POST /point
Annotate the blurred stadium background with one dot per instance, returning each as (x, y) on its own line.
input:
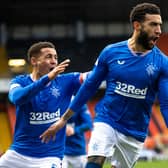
(79, 29)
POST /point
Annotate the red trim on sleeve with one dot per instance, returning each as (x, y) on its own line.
(81, 78)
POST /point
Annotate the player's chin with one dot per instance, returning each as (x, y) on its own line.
(151, 46)
(152, 43)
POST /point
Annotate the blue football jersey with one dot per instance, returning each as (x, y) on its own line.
(132, 83)
(81, 122)
(38, 105)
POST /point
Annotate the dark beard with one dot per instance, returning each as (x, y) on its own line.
(143, 40)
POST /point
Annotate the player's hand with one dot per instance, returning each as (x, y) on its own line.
(58, 69)
(50, 133)
(69, 130)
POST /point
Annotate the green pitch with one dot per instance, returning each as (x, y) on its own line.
(153, 164)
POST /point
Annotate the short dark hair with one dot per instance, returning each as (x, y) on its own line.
(35, 49)
(139, 11)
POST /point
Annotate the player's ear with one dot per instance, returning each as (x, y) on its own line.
(33, 61)
(136, 25)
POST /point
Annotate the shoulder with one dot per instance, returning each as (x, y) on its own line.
(159, 54)
(161, 60)
(111, 50)
(116, 45)
(21, 78)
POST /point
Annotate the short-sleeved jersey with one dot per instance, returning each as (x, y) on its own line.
(133, 80)
(38, 105)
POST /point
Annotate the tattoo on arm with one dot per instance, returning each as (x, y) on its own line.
(67, 115)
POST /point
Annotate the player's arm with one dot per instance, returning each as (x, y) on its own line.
(50, 133)
(163, 91)
(87, 89)
(92, 82)
(163, 98)
(20, 95)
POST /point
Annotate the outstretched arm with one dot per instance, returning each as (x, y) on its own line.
(89, 87)
(20, 95)
(54, 128)
(86, 89)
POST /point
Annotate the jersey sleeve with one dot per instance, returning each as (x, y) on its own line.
(92, 82)
(163, 91)
(20, 94)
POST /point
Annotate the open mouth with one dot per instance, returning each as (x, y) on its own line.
(51, 68)
(154, 40)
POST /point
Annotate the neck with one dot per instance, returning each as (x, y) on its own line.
(134, 45)
(35, 76)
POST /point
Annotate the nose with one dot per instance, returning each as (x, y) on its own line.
(158, 30)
